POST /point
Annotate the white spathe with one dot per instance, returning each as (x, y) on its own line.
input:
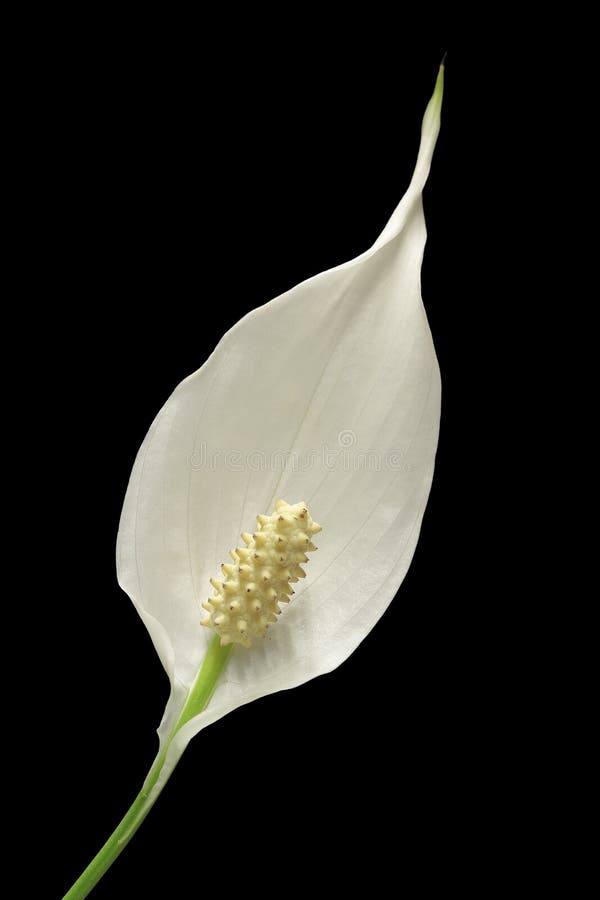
(339, 373)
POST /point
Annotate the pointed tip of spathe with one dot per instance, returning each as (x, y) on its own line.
(439, 84)
(435, 103)
(443, 62)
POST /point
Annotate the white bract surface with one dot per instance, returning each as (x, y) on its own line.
(329, 393)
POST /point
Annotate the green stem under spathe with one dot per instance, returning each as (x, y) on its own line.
(198, 698)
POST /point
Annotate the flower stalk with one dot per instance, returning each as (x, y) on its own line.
(214, 662)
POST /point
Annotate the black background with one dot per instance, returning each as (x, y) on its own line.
(175, 200)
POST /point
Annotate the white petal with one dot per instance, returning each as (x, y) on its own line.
(343, 363)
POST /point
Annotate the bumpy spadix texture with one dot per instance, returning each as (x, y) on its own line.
(354, 433)
(262, 574)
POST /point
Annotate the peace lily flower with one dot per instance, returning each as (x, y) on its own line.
(329, 395)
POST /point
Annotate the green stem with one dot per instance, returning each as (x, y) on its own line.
(202, 690)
